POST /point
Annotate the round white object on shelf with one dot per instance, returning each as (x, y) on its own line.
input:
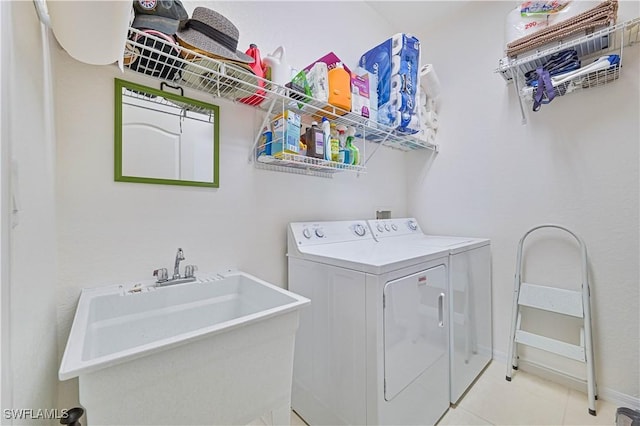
(93, 32)
(429, 81)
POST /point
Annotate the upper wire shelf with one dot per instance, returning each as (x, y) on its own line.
(591, 47)
(162, 58)
(597, 43)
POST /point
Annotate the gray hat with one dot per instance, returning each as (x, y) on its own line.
(160, 15)
(211, 32)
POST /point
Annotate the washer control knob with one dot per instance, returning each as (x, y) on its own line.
(359, 230)
(387, 227)
(380, 228)
(412, 225)
(319, 233)
(306, 233)
(394, 227)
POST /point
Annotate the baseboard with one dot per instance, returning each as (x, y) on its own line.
(617, 398)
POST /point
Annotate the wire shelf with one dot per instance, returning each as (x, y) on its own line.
(607, 41)
(592, 79)
(163, 58)
(301, 164)
(601, 42)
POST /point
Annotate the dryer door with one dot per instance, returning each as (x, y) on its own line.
(415, 329)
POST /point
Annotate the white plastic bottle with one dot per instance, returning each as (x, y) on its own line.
(326, 131)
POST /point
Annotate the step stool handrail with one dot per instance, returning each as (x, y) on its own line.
(583, 252)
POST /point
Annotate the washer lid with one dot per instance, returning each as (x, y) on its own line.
(351, 245)
(369, 256)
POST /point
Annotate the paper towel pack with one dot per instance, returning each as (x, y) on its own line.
(395, 63)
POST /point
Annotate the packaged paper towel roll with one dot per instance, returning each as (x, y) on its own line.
(519, 25)
(94, 31)
(431, 104)
(427, 135)
(430, 118)
(430, 136)
(429, 81)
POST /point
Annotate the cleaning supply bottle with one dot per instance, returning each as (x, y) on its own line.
(344, 155)
(340, 87)
(355, 152)
(335, 143)
(326, 133)
(303, 148)
(264, 146)
(315, 141)
(259, 69)
(278, 69)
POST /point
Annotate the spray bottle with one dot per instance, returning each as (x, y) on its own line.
(344, 155)
(355, 152)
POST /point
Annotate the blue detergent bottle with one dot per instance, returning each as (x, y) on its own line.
(264, 146)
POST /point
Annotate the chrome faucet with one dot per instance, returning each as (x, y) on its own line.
(163, 276)
(176, 266)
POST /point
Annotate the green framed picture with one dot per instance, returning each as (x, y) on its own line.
(165, 138)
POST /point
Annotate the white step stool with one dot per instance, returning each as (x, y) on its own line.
(566, 302)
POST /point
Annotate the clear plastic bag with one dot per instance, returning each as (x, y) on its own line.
(530, 17)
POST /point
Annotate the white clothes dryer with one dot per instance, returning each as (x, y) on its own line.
(372, 348)
(469, 295)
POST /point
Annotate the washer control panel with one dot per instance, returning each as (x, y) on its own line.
(311, 233)
(384, 228)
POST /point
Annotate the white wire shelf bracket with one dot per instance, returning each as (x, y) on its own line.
(176, 64)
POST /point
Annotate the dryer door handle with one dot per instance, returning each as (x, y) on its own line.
(441, 310)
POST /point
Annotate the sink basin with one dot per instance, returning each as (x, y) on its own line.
(202, 343)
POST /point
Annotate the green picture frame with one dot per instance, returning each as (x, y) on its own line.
(121, 85)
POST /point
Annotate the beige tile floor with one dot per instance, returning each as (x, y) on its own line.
(526, 400)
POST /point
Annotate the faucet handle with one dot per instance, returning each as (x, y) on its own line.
(162, 274)
(189, 270)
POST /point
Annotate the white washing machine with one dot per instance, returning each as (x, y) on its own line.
(469, 295)
(372, 348)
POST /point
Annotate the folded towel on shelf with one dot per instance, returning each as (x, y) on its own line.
(602, 15)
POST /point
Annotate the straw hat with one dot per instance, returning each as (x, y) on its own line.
(211, 32)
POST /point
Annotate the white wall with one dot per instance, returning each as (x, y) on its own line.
(112, 231)
(574, 163)
(33, 244)
(5, 287)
